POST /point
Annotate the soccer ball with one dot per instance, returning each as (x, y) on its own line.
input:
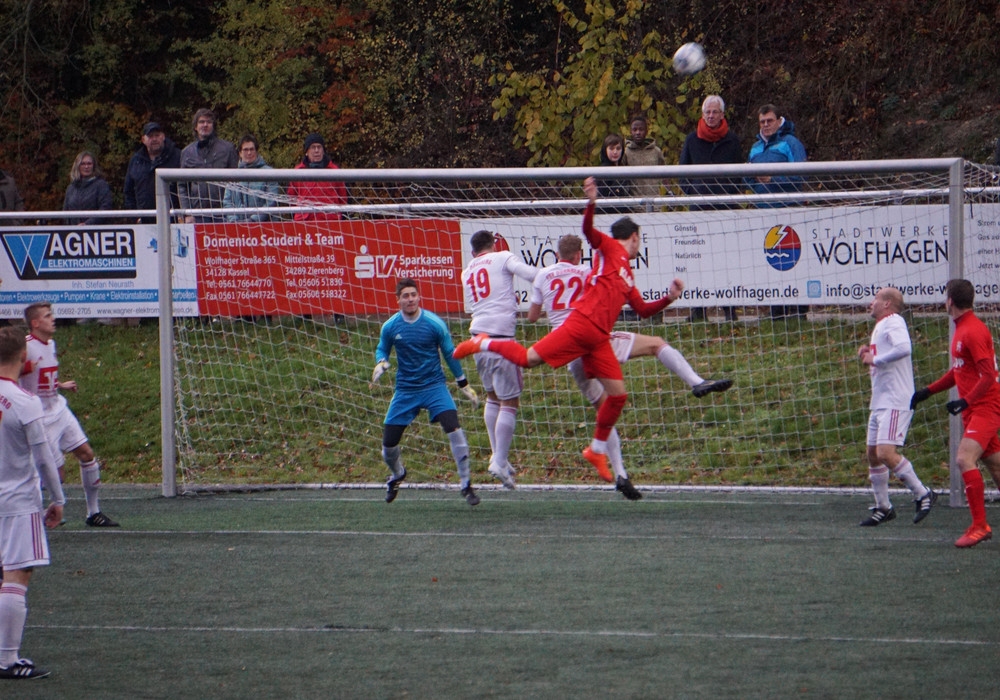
(689, 59)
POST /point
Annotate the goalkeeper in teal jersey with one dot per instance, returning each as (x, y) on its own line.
(421, 339)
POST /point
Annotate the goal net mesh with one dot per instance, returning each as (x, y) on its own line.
(272, 374)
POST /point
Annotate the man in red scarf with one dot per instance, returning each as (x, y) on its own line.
(712, 143)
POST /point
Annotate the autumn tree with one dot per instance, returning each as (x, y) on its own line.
(618, 67)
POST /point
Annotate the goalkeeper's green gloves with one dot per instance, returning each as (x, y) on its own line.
(918, 396)
(380, 368)
(470, 393)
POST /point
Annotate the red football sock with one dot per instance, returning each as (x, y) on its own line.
(607, 415)
(975, 494)
(510, 350)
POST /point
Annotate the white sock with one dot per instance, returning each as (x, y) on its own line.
(506, 422)
(675, 362)
(390, 455)
(879, 477)
(490, 413)
(90, 477)
(904, 470)
(599, 446)
(615, 454)
(460, 452)
(13, 613)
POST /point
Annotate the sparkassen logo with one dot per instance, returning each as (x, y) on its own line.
(782, 248)
(62, 254)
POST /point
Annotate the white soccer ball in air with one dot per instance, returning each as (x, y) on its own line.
(689, 59)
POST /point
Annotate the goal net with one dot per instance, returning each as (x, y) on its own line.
(271, 377)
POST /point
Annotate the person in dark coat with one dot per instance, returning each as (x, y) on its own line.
(157, 151)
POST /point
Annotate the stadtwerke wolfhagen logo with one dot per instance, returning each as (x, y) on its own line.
(782, 247)
(60, 254)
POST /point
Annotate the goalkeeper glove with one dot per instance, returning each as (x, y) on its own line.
(956, 407)
(470, 393)
(918, 396)
(380, 368)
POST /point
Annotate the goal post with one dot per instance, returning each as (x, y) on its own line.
(269, 364)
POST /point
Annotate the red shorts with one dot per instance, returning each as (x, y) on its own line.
(578, 337)
(982, 426)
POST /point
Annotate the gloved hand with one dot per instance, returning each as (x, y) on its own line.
(468, 391)
(957, 406)
(918, 396)
(377, 373)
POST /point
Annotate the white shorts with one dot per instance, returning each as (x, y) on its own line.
(23, 543)
(621, 344)
(64, 434)
(888, 426)
(499, 375)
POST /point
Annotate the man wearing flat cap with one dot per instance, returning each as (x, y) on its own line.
(317, 194)
(157, 151)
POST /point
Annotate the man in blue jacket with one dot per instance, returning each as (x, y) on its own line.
(776, 143)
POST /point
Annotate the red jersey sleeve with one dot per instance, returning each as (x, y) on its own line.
(644, 308)
(594, 237)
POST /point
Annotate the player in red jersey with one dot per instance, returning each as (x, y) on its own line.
(586, 333)
(974, 373)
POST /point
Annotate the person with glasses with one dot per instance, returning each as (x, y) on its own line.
(251, 194)
(777, 143)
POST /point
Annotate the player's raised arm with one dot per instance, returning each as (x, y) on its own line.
(594, 237)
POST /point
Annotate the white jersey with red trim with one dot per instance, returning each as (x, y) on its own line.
(21, 426)
(488, 282)
(556, 287)
(42, 377)
(892, 371)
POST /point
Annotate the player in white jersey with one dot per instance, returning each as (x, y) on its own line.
(24, 455)
(891, 368)
(40, 376)
(488, 281)
(553, 292)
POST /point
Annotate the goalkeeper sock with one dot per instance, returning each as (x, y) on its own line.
(607, 416)
(13, 613)
(615, 454)
(490, 413)
(390, 455)
(460, 451)
(509, 350)
(675, 362)
(90, 477)
(904, 470)
(975, 494)
(506, 422)
(879, 477)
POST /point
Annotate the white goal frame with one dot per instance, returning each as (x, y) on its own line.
(953, 194)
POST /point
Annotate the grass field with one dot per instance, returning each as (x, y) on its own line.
(796, 415)
(540, 594)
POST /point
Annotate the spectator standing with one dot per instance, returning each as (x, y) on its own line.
(612, 155)
(711, 143)
(255, 194)
(317, 193)
(206, 151)
(641, 149)
(156, 151)
(10, 198)
(88, 190)
(776, 143)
